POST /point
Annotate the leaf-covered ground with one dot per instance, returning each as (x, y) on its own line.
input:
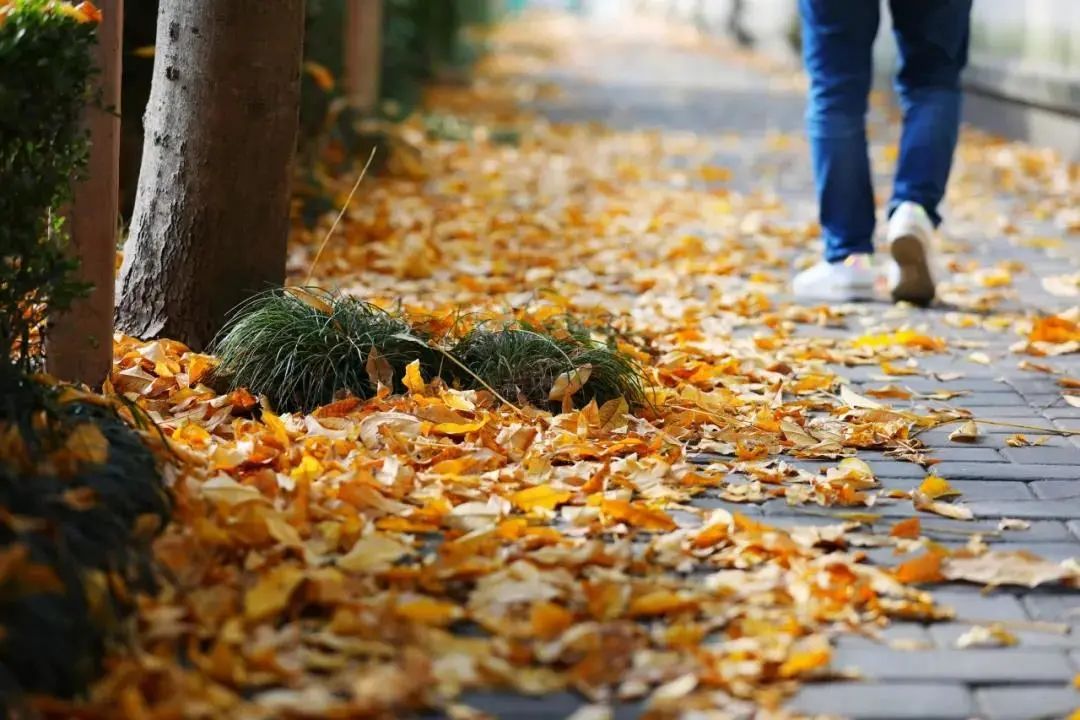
(372, 559)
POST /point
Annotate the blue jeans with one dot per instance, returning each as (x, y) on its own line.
(838, 37)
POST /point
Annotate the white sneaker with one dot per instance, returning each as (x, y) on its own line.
(911, 236)
(844, 281)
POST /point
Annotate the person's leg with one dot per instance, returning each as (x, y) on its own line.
(838, 38)
(932, 36)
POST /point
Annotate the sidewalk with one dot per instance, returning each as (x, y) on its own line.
(1007, 217)
(767, 532)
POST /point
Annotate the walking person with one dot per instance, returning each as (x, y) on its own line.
(838, 38)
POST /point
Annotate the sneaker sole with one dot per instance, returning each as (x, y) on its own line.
(915, 284)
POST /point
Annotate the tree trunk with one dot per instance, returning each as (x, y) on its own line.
(211, 212)
(363, 52)
(79, 342)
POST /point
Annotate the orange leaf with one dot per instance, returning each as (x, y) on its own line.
(909, 528)
(660, 602)
(922, 569)
(429, 611)
(638, 516)
(1054, 329)
(549, 620)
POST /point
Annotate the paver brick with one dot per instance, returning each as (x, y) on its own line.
(946, 634)
(887, 701)
(1054, 607)
(972, 489)
(974, 666)
(1026, 703)
(972, 605)
(1005, 471)
(1043, 455)
(1056, 489)
(1044, 509)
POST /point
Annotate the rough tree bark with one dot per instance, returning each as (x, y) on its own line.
(79, 343)
(211, 212)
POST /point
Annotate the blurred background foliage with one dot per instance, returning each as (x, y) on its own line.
(422, 40)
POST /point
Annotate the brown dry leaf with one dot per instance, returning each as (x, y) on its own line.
(966, 433)
(999, 567)
(1013, 524)
(892, 392)
(569, 383)
(852, 399)
(379, 370)
(987, 636)
(376, 551)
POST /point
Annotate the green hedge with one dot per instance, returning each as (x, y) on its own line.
(45, 70)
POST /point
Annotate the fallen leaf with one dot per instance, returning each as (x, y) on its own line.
(987, 636)
(909, 528)
(935, 488)
(413, 381)
(1002, 567)
(925, 568)
(966, 433)
(569, 383)
(272, 592)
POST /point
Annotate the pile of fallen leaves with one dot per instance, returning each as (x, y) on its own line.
(375, 556)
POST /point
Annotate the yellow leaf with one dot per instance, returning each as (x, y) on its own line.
(413, 380)
(540, 496)
(459, 428)
(373, 552)
(660, 602)
(429, 611)
(906, 338)
(146, 51)
(308, 469)
(935, 488)
(801, 663)
(270, 594)
(87, 444)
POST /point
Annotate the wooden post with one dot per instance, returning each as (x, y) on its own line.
(363, 52)
(79, 342)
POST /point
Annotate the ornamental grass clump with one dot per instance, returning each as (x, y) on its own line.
(526, 363)
(302, 348)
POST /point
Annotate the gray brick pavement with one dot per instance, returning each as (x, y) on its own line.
(626, 89)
